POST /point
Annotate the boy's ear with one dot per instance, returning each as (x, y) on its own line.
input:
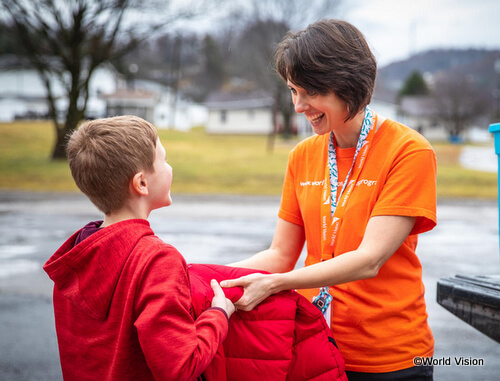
(139, 184)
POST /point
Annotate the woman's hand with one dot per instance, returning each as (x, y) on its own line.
(257, 287)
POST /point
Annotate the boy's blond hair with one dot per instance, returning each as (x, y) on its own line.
(105, 154)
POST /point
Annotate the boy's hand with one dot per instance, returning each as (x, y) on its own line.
(220, 299)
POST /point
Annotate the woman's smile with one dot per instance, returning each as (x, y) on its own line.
(315, 119)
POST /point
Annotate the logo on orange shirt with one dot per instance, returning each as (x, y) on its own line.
(312, 183)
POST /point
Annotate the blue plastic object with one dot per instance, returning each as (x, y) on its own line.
(455, 139)
(495, 130)
(475, 299)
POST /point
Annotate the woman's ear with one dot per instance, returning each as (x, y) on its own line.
(139, 184)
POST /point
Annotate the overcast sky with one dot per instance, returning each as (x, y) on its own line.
(394, 28)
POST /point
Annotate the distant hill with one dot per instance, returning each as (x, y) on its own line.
(479, 64)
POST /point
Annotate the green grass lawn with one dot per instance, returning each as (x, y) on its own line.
(204, 164)
(453, 181)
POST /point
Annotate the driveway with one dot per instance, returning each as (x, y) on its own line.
(219, 230)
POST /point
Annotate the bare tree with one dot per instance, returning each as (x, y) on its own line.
(70, 39)
(267, 22)
(296, 14)
(458, 102)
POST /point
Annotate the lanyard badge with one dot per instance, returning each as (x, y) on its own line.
(323, 301)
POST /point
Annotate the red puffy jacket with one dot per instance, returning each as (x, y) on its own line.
(283, 338)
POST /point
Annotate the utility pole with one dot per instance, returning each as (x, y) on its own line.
(412, 38)
(496, 91)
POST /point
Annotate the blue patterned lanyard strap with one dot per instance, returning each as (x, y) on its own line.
(332, 158)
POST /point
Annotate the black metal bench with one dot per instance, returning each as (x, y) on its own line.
(474, 299)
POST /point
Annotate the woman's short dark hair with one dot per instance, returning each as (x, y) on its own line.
(329, 55)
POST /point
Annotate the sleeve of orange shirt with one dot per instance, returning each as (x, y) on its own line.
(410, 190)
(290, 210)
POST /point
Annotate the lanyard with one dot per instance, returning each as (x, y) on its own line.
(331, 211)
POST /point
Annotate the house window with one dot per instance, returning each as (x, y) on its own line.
(223, 116)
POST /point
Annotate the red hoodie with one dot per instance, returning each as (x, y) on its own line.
(122, 307)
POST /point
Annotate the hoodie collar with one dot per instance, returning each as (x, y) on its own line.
(87, 273)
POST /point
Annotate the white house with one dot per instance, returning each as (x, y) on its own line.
(252, 114)
(239, 113)
(140, 103)
(387, 109)
(418, 112)
(156, 103)
(23, 96)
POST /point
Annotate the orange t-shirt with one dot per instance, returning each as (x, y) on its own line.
(380, 324)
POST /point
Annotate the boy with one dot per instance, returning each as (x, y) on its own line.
(122, 302)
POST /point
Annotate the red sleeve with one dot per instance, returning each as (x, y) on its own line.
(175, 346)
(410, 190)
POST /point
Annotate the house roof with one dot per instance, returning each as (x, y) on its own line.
(130, 94)
(24, 98)
(235, 100)
(125, 97)
(14, 62)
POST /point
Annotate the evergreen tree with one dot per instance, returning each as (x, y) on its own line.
(414, 85)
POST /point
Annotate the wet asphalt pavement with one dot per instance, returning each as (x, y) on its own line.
(217, 229)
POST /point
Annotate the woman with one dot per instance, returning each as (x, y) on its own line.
(358, 192)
